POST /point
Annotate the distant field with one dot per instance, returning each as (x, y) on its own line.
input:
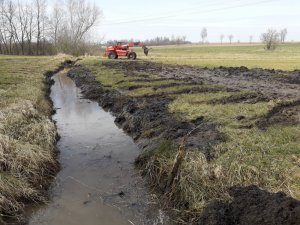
(285, 57)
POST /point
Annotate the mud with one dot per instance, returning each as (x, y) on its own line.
(148, 121)
(133, 87)
(243, 98)
(251, 205)
(271, 83)
(286, 113)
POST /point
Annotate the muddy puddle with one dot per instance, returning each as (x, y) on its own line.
(97, 184)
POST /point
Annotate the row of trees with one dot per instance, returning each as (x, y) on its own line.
(230, 38)
(174, 40)
(31, 29)
(280, 36)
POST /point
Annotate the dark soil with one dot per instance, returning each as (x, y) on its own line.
(243, 98)
(133, 87)
(148, 121)
(286, 113)
(251, 205)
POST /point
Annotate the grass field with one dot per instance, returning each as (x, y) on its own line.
(285, 57)
(27, 135)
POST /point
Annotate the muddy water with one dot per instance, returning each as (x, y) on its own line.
(97, 184)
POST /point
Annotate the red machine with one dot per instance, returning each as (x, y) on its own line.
(121, 49)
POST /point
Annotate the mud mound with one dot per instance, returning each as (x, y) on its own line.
(171, 84)
(251, 205)
(286, 113)
(293, 77)
(243, 98)
(191, 90)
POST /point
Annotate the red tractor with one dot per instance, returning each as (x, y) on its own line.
(121, 49)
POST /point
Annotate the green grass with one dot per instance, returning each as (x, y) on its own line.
(197, 105)
(267, 158)
(107, 77)
(27, 136)
(19, 78)
(285, 57)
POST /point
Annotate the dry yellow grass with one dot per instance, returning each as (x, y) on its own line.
(27, 135)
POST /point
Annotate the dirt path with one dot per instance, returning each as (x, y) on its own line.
(272, 83)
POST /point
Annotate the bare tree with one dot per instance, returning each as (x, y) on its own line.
(283, 34)
(203, 34)
(40, 7)
(230, 37)
(56, 22)
(26, 28)
(8, 11)
(3, 40)
(221, 38)
(82, 16)
(30, 27)
(250, 39)
(23, 21)
(270, 39)
(38, 19)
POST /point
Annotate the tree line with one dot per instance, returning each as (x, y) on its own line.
(271, 38)
(30, 28)
(173, 40)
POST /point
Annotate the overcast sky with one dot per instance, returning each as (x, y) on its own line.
(142, 20)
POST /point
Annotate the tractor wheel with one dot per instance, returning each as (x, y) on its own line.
(112, 55)
(132, 55)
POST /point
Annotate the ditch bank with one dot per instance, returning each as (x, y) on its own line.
(29, 153)
(160, 135)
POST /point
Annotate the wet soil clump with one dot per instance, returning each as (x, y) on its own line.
(251, 205)
(243, 98)
(286, 113)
